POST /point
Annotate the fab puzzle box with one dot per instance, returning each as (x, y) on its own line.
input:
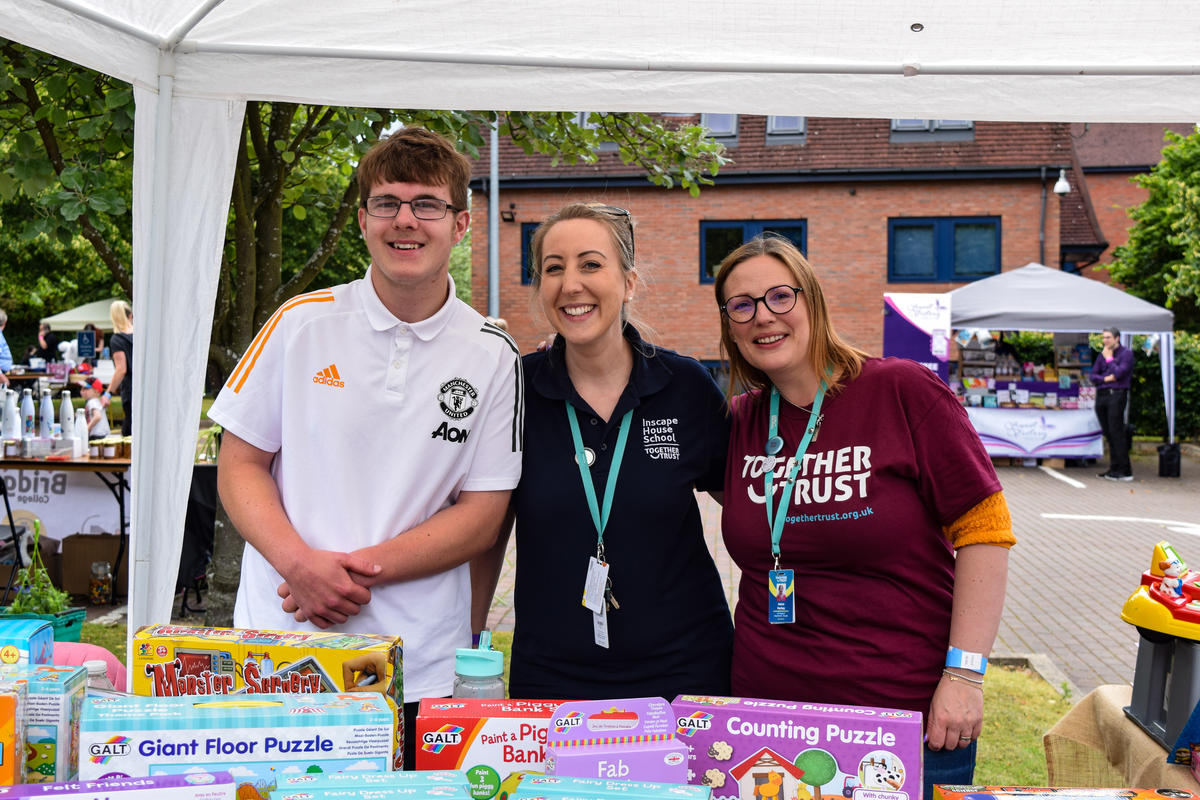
(746, 749)
(174, 660)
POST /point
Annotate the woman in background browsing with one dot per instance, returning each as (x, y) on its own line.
(649, 428)
(865, 516)
(121, 345)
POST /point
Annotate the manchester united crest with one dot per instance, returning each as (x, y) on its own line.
(457, 398)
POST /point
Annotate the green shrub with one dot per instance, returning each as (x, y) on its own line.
(1147, 413)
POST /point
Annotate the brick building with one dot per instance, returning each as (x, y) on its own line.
(878, 206)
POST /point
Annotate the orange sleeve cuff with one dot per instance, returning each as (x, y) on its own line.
(987, 523)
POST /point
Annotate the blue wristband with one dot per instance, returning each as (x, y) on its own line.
(963, 659)
(474, 640)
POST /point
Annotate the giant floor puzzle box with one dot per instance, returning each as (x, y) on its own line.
(746, 749)
(173, 660)
(261, 740)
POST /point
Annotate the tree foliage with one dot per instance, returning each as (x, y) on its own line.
(1161, 260)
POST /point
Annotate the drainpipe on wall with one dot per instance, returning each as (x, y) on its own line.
(1042, 226)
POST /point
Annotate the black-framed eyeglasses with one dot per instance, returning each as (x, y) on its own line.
(385, 206)
(777, 299)
(617, 211)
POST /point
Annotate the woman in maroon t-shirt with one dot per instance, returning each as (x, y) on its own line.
(851, 484)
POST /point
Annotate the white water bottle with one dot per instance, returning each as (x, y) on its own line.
(46, 414)
(12, 416)
(81, 433)
(28, 415)
(66, 415)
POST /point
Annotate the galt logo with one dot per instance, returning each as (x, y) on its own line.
(434, 741)
(329, 377)
(571, 720)
(696, 721)
(103, 752)
(457, 398)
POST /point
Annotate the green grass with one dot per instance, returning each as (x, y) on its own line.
(1018, 708)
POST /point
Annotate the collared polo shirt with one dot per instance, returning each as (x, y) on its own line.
(673, 631)
(377, 425)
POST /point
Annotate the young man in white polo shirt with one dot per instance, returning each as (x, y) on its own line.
(373, 432)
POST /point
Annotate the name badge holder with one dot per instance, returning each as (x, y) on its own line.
(597, 588)
(781, 583)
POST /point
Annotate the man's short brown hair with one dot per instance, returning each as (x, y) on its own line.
(415, 155)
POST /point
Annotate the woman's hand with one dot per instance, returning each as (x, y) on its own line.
(956, 712)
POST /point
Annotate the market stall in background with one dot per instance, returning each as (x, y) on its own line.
(1022, 409)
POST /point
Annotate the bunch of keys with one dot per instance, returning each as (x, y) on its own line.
(608, 595)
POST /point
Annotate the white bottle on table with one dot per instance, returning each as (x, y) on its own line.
(81, 433)
(28, 415)
(46, 413)
(12, 416)
(66, 415)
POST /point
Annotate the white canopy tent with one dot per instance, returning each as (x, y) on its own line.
(73, 319)
(1037, 298)
(194, 63)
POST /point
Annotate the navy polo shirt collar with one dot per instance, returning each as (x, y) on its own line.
(650, 374)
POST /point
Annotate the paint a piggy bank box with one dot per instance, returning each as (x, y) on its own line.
(1039, 793)
(193, 786)
(26, 641)
(487, 739)
(173, 660)
(631, 739)
(260, 740)
(747, 749)
(52, 714)
(559, 787)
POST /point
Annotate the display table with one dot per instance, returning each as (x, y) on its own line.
(1038, 432)
(1095, 744)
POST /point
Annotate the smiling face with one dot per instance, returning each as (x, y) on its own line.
(777, 344)
(411, 256)
(583, 286)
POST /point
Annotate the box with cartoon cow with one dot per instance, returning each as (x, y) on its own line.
(748, 749)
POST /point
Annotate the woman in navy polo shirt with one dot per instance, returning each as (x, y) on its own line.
(624, 531)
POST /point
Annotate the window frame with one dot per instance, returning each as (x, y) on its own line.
(725, 136)
(750, 228)
(943, 244)
(778, 134)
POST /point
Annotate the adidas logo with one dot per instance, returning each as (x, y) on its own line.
(329, 376)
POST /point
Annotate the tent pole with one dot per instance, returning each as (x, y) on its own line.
(494, 222)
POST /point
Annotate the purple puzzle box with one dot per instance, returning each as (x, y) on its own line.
(748, 749)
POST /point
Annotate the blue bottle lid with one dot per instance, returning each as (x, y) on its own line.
(479, 662)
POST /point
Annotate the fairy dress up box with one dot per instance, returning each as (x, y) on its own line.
(747, 749)
(260, 740)
(174, 660)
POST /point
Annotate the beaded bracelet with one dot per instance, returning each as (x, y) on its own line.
(954, 677)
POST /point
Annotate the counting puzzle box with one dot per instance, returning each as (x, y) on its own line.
(261, 741)
(55, 697)
(746, 749)
(175, 660)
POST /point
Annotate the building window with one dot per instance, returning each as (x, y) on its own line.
(720, 126)
(527, 229)
(718, 238)
(946, 249)
(785, 130)
(584, 120)
(930, 130)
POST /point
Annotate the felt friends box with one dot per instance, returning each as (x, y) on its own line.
(26, 641)
(51, 719)
(630, 739)
(193, 786)
(746, 749)
(260, 740)
(488, 739)
(173, 660)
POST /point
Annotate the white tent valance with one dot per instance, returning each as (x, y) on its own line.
(74, 319)
(194, 64)
(1037, 298)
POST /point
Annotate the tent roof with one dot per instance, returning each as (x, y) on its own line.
(1074, 60)
(1037, 298)
(74, 319)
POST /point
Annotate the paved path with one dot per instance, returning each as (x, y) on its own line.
(1083, 543)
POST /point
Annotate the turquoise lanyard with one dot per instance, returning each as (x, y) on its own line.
(814, 419)
(600, 518)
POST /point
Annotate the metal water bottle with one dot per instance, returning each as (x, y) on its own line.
(66, 415)
(12, 416)
(46, 413)
(28, 414)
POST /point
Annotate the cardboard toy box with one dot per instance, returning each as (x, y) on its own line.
(423, 792)
(193, 786)
(738, 743)
(13, 696)
(26, 641)
(261, 740)
(51, 719)
(553, 787)
(1042, 793)
(173, 660)
(630, 739)
(487, 739)
(81, 550)
(301, 786)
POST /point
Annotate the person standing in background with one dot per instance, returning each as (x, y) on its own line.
(6, 361)
(47, 346)
(122, 353)
(1111, 374)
